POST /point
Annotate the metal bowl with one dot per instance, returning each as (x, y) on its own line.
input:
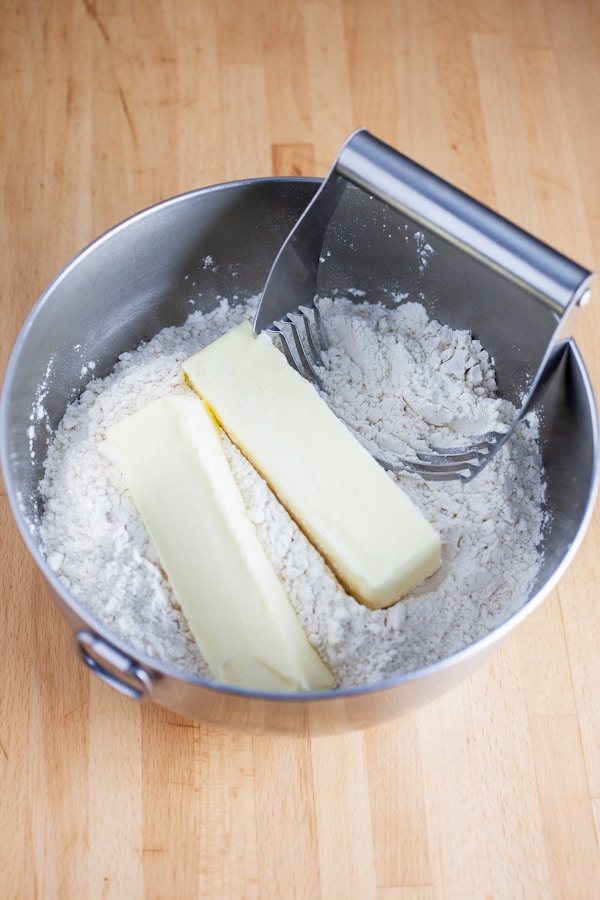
(143, 275)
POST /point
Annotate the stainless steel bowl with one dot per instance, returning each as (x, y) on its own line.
(145, 274)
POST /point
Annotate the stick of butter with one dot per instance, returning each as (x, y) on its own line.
(172, 459)
(374, 538)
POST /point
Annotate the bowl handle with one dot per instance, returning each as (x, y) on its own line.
(113, 667)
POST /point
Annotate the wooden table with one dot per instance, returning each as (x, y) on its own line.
(494, 790)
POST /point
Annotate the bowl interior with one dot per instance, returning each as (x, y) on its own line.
(191, 251)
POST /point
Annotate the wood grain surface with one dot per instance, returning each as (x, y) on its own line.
(108, 106)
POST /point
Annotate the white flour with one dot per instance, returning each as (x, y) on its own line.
(401, 381)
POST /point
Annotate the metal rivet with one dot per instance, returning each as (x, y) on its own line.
(585, 298)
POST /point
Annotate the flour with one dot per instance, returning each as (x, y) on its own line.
(401, 381)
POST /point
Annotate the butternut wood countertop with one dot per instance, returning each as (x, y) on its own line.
(494, 790)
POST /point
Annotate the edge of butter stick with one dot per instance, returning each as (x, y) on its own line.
(173, 463)
(372, 535)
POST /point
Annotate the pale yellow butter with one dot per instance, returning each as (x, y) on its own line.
(172, 459)
(371, 534)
